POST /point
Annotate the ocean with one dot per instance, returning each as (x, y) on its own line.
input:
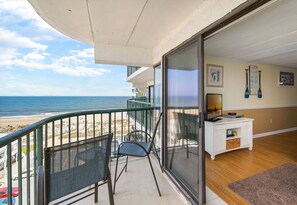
(21, 106)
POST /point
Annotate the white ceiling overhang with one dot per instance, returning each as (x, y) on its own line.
(122, 31)
(267, 37)
(144, 74)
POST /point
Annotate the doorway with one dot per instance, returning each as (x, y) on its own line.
(183, 99)
(263, 41)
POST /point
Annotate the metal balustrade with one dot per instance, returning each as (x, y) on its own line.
(29, 142)
(138, 116)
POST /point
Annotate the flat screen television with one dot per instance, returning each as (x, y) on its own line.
(214, 106)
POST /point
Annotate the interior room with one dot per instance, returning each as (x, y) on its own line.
(258, 54)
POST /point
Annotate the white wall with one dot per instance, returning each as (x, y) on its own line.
(234, 86)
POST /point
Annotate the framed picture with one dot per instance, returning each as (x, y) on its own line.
(254, 80)
(214, 75)
(286, 79)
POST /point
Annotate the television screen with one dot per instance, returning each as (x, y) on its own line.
(214, 105)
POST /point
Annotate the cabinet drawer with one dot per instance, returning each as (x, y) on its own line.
(231, 144)
(231, 125)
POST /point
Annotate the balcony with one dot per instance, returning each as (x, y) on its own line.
(23, 150)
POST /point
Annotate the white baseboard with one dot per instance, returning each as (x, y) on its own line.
(274, 132)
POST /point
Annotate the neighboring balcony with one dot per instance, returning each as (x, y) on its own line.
(141, 77)
(131, 70)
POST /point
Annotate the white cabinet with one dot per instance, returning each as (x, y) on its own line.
(219, 141)
(227, 135)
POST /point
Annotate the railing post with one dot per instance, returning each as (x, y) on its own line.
(109, 124)
(39, 146)
(9, 184)
(20, 158)
(109, 131)
(146, 124)
(35, 162)
(28, 168)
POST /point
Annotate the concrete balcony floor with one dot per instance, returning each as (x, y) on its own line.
(137, 186)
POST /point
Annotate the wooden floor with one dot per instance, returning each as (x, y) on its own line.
(268, 152)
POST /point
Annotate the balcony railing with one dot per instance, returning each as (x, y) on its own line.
(131, 70)
(138, 116)
(24, 148)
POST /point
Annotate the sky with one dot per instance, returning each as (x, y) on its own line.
(37, 60)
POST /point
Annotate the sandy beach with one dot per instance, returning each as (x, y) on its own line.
(12, 124)
(119, 126)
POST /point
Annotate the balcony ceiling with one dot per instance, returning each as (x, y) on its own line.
(118, 29)
(268, 37)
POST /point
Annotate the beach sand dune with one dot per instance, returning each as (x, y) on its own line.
(119, 125)
(12, 124)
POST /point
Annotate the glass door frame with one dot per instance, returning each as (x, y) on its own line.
(201, 148)
(239, 12)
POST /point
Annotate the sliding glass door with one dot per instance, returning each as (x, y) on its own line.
(183, 133)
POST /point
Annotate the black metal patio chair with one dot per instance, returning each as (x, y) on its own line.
(138, 149)
(188, 131)
(71, 169)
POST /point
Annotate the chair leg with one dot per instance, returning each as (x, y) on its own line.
(172, 157)
(96, 193)
(111, 200)
(154, 174)
(126, 164)
(187, 148)
(158, 157)
(115, 174)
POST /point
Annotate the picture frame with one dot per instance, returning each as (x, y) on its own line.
(253, 79)
(214, 75)
(286, 79)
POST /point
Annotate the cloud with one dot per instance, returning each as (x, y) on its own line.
(75, 64)
(86, 53)
(17, 50)
(7, 56)
(22, 48)
(12, 39)
(22, 10)
(35, 56)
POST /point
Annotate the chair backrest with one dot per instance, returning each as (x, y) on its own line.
(155, 130)
(74, 166)
(188, 126)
